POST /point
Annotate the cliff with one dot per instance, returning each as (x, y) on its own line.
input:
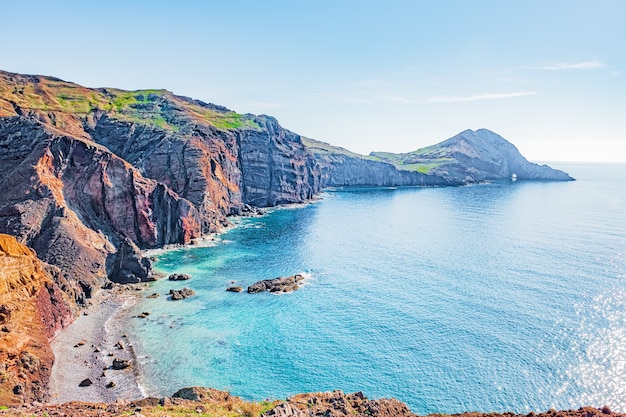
(473, 156)
(91, 176)
(340, 167)
(32, 310)
(469, 157)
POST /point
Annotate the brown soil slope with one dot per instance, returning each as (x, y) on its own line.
(32, 310)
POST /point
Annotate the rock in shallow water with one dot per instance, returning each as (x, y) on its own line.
(277, 285)
(181, 294)
(179, 277)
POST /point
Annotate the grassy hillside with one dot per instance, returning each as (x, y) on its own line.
(421, 160)
(68, 101)
(318, 147)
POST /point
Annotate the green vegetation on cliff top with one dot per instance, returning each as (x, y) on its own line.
(323, 148)
(154, 108)
(423, 160)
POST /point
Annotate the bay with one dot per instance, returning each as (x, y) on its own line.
(508, 296)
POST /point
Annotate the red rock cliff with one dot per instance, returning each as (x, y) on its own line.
(32, 310)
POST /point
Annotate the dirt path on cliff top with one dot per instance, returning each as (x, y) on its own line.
(85, 350)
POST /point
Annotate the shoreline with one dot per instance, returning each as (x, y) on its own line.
(213, 238)
(86, 349)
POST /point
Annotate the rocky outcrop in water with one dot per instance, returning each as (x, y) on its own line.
(179, 277)
(277, 285)
(32, 310)
(181, 294)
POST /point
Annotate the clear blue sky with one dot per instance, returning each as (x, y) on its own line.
(389, 75)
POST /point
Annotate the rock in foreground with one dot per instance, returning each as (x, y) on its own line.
(277, 285)
(338, 404)
(208, 401)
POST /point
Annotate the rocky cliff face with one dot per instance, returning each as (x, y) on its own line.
(342, 170)
(32, 310)
(468, 157)
(82, 208)
(276, 167)
(92, 176)
(340, 167)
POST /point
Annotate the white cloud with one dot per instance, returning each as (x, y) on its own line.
(584, 65)
(479, 97)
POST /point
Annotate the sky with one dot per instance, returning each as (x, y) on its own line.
(549, 75)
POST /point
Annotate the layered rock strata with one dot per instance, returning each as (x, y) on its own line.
(92, 176)
(342, 168)
(32, 310)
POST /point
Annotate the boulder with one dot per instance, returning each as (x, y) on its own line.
(85, 383)
(181, 294)
(234, 288)
(277, 285)
(179, 277)
(119, 364)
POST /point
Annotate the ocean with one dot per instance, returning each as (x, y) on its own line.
(507, 296)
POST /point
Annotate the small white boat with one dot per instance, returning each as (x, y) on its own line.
(514, 177)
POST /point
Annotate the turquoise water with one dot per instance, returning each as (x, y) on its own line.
(494, 297)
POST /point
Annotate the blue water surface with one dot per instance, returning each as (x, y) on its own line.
(494, 297)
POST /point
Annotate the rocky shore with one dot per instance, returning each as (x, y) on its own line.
(85, 352)
(210, 402)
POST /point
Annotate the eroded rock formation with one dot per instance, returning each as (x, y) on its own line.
(92, 176)
(32, 310)
(277, 285)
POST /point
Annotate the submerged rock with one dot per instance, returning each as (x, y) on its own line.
(277, 285)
